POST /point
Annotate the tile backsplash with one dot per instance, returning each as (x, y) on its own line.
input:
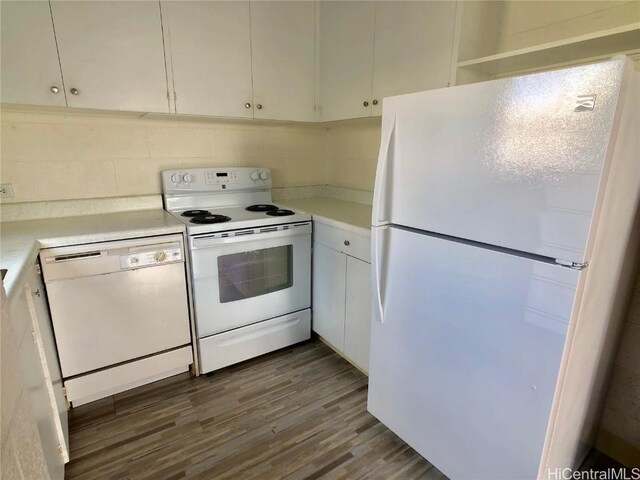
(57, 155)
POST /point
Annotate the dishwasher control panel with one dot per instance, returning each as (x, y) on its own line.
(150, 257)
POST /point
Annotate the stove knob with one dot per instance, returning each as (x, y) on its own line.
(255, 175)
(264, 175)
(175, 178)
(187, 177)
(160, 256)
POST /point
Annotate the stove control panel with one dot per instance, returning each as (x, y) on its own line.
(194, 180)
(212, 177)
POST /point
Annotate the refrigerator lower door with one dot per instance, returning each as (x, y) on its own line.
(465, 358)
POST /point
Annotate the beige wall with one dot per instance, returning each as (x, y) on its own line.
(490, 27)
(621, 417)
(58, 155)
(352, 153)
(528, 23)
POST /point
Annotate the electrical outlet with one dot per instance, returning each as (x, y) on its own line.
(6, 190)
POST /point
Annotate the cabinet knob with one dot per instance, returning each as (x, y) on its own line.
(375, 102)
(259, 107)
(37, 293)
(347, 243)
(74, 91)
(365, 104)
(54, 89)
(247, 105)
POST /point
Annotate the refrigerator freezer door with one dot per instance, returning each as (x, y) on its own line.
(513, 162)
(464, 366)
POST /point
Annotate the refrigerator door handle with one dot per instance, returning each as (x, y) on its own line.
(380, 197)
(377, 247)
(572, 265)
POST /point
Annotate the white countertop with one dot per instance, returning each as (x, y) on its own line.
(21, 241)
(351, 216)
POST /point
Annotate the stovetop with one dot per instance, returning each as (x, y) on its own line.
(216, 199)
(238, 218)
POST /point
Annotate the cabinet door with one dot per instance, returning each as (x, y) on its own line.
(35, 384)
(283, 43)
(30, 66)
(329, 274)
(209, 50)
(357, 326)
(413, 43)
(346, 59)
(112, 54)
(41, 323)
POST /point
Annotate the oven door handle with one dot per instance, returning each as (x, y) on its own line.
(213, 241)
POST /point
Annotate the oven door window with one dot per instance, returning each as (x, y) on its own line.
(254, 273)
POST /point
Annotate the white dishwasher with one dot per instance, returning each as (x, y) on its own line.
(120, 313)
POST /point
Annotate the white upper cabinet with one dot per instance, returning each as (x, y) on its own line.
(372, 50)
(240, 59)
(413, 44)
(283, 45)
(346, 59)
(209, 55)
(111, 54)
(30, 67)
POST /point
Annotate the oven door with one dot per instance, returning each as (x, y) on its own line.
(250, 276)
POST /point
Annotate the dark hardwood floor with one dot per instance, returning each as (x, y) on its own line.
(299, 413)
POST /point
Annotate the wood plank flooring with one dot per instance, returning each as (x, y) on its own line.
(299, 413)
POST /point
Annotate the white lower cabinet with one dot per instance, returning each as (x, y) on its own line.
(342, 292)
(329, 287)
(41, 322)
(357, 325)
(40, 372)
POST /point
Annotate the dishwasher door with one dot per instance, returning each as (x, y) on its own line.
(116, 301)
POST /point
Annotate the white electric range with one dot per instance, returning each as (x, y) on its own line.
(250, 262)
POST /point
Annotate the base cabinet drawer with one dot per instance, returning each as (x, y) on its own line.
(344, 241)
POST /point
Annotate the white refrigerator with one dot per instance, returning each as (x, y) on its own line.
(503, 239)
